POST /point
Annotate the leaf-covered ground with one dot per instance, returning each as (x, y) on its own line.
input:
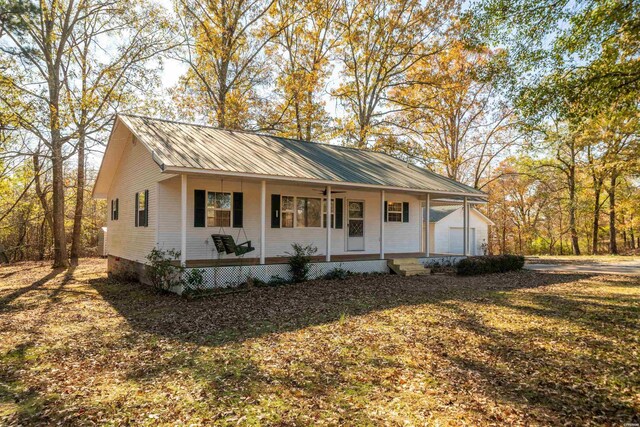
(520, 348)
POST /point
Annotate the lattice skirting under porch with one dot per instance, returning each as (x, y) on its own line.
(231, 276)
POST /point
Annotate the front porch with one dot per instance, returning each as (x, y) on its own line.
(366, 223)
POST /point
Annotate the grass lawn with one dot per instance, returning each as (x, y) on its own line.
(519, 348)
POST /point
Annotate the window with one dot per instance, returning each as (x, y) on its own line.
(288, 211)
(114, 209)
(142, 208)
(308, 212)
(324, 213)
(394, 212)
(219, 210)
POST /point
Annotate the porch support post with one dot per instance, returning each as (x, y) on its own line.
(183, 218)
(465, 230)
(328, 222)
(427, 248)
(381, 224)
(263, 221)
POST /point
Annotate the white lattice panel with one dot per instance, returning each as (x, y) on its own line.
(230, 276)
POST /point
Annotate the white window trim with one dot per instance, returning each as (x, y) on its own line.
(219, 209)
(333, 212)
(401, 211)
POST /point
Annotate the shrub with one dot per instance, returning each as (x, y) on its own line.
(337, 274)
(277, 281)
(299, 261)
(490, 264)
(194, 279)
(163, 271)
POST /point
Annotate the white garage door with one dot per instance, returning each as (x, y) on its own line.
(456, 240)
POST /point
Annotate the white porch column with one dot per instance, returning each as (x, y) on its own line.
(382, 224)
(328, 255)
(427, 247)
(263, 221)
(465, 230)
(183, 218)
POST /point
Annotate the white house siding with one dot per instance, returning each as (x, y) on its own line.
(399, 237)
(136, 172)
(441, 230)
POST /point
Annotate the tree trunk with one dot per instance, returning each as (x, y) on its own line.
(42, 196)
(77, 219)
(572, 211)
(596, 215)
(613, 245)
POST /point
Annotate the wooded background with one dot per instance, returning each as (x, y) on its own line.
(535, 102)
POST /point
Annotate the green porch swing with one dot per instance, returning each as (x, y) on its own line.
(225, 243)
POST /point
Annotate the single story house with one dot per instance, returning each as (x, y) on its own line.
(174, 185)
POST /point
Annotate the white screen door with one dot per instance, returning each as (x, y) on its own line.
(355, 224)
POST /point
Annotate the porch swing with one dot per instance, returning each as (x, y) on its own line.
(225, 243)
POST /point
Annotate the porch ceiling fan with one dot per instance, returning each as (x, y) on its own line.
(324, 192)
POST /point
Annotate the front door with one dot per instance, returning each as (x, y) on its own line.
(355, 223)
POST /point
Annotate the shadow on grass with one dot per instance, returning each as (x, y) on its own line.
(237, 317)
(555, 384)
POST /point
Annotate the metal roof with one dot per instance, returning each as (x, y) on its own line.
(436, 213)
(182, 146)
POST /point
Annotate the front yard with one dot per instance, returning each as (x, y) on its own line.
(519, 348)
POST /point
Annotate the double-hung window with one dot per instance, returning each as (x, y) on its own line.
(394, 212)
(288, 211)
(219, 209)
(308, 212)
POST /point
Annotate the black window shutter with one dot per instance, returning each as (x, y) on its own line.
(405, 211)
(275, 211)
(339, 213)
(199, 208)
(237, 210)
(112, 218)
(385, 211)
(146, 208)
(117, 209)
(135, 209)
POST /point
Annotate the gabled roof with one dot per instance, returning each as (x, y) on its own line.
(438, 213)
(182, 147)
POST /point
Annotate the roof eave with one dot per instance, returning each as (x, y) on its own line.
(181, 169)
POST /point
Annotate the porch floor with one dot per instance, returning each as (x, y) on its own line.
(318, 258)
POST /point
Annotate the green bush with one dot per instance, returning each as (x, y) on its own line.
(164, 271)
(337, 274)
(194, 279)
(472, 266)
(299, 261)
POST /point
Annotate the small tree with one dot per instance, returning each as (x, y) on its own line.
(163, 271)
(299, 261)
